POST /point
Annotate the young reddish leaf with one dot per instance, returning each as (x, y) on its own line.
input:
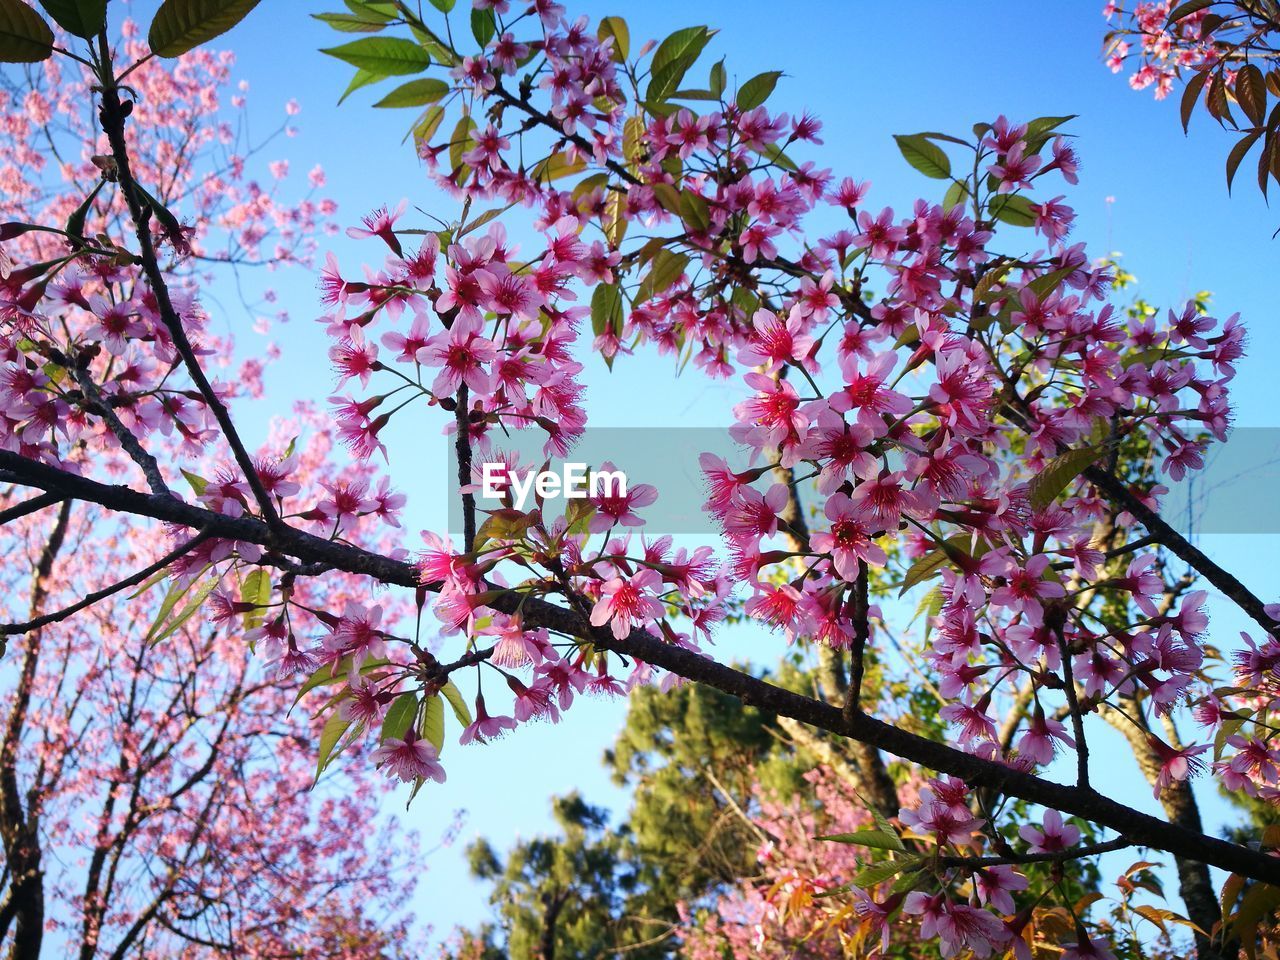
(1251, 92)
(1238, 152)
(1187, 9)
(1191, 95)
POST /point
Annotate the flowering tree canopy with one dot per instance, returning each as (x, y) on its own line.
(1223, 52)
(947, 402)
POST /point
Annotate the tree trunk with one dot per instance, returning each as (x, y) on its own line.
(18, 827)
(1179, 803)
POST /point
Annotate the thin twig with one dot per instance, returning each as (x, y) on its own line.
(128, 441)
(9, 629)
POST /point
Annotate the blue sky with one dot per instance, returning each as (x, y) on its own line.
(1146, 192)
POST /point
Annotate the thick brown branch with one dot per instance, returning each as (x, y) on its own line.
(20, 510)
(1139, 827)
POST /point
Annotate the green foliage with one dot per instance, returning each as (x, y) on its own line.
(757, 90)
(182, 25)
(924, 155)
(24, 36)
(383, 56)
(672, 60)
(691, 757)
(82, 18)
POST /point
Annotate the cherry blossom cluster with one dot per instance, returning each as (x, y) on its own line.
(945, 423)
(941, 398)
(75, 298)
(1154, 51)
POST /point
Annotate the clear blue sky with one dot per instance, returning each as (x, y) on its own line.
(937, 65)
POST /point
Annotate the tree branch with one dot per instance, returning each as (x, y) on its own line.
(113, 115)
(1141, 828)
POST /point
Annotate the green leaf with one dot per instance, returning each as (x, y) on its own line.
(665, 270)
(558, 165)
(373, 11)
(1015, 210)
(24, 36)
(451, 693)
(432, 727)
(182, 25)
(383, 56)
(930, 605)
(439, 50)
(694, 211)
(1226, 730)
(505, 524)
(349, 22)
(336, 673)
(1058, 474)
(956, 194)
(617, 28)
(757, 90)
(718, 79)
(1259, 902)
(444, 6)
(197, 482)
(198, 597)
(933, 561)
(483, 26)
(1042, 125)
(1045, 285)
(171, 599)
(926, 156)
(415, 93)
(427, 125)
(867, 838)
(256, 589)
(694, 95)
(674, 56)
(362, 78)
(399, 717)
(878, 873)
(330, 736)
(606, 309)
(460, 142)
(578, 514)
(82, 18)
(678, 46)
(773, 152)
